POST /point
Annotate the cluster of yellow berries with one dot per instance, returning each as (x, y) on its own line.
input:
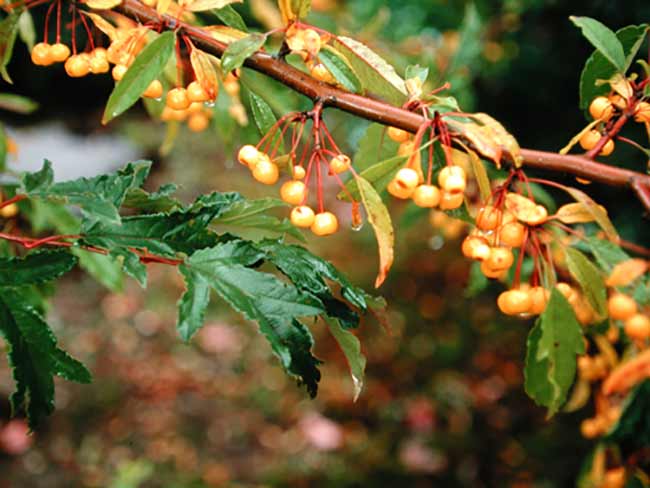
(307, 44)
(76, 65)
(409, 181)
(188, 104)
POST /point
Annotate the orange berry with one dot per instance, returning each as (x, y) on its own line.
(77, 66)
(177, 99)
(398, 135)
(98, 65)
(293, 192)
(590, 428)
(608, 148)
(514, 302)
(621, 306)
(171, 114)
(614, 478)
(584, 312)
(589, 139)
(42, 54)
(567, 290)
(196, 108)
(118, 71)
(325, 223)
(512, 234)
(231, 86)
(601, 108)
(302, 216)
(637, 327)
(266, 172)
(452, 179)
(642, 112)
(539, 298)
(154, 90)
(426, 196)
(475, 247)
(500, 258)
(196, 92)
(618, 101)
(339, 164)
(488, 218)
(248, 155)
(59, 52)
(298, 173)
(198, 122)
(537, 216)
(9, 211)
(398, 191)
(450, 201)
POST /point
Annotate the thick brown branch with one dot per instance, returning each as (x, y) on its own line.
(382, 112)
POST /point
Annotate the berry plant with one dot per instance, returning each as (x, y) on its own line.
(563, 267)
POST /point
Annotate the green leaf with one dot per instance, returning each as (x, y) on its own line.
(35, 268)
(99, 197)
(603, 39)
(416, 71)
(159, 201)
(378, 175)
(230, 17)
(598, 212)
(193, 304)
(590, 280)
(146, 67)
(374, 146)
(131, 265)
(598, 67)
(8, 31)
(244, 209)
(633, 426)
(607, 253)
(309, 274)
(351, 347)
(377, 76)
(477, 282)
(301, 7)
(265, 119)
(470, 45)
(17, 103)
(262, 297)
(379, 218)
(26, 29)
(237, 52)
(34, 357)
(337, 64)
(553, 345)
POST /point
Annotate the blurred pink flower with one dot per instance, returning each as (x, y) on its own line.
(322, 433)
(220, 339)
(15, 438)
(415, 456)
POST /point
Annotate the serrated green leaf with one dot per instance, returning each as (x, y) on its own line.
(598, 67)
(159, 201)
(237, 52)
(146, 67)
(378, 175)
(340, 68)
(230, 17)
(192, 304)
(351, 347)
(34, 357)
(35, 268)
(309, 274)
(375, 73)
(131, 265)
(553, 345)
(590, 280)
(244, 209)
(379, 219)
(17, 103)
(8, 32)
(603, 39)
(607, 253)
(262, 297)
(99, 197)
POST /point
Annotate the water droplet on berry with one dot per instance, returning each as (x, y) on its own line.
(356, 226)
(210, 104)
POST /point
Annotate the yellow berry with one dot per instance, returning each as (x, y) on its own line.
(512, 234)
(59, 52)
(118, 71)
(177, 99)
(500, 258)
(475, 247)
(398, 191)
(302, 216)
(491, 272)
(452, 179)
(77, 66)
(608, 148)
(98, 65)
(42, 54)
(407, 178)
(266, 172)
(642, 112)
(248, 155)
(171, 114)
(637, 327)
(601, 108)
(590, 428)
(339, 164)
(154, 90)
(321, 73)
(514, 302)
(488, 218)
(298, 173)
(538, 299)
(398, 135)
(293, 192)
(198, 122)
(589, 139)
(9, 211)
(325, 223)
(621, 306)
(450, 201)
(614, 478)
(196, 92)
(426, 196)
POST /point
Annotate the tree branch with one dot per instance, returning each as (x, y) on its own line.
(382, 112)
